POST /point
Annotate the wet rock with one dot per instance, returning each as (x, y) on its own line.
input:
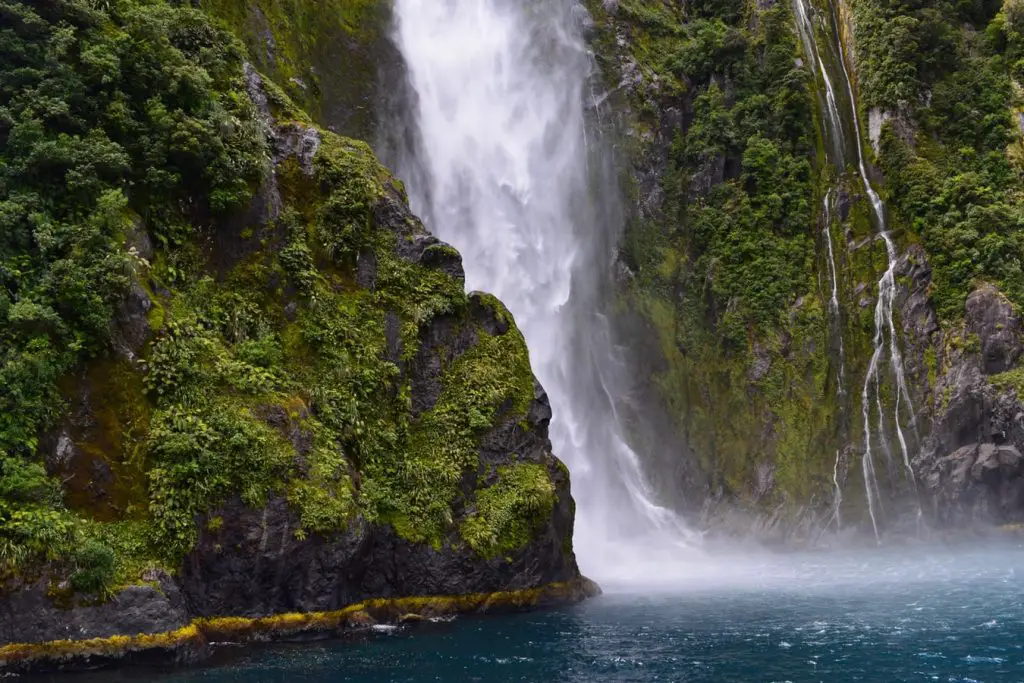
(765, 480)
(137, 241)
(970, 462)
(131, 328)
(59, 452)
(760, 364)
(977, 484)
(902, 123)
(991, 316)
(366, 269)
(710, 174)
(31, 614)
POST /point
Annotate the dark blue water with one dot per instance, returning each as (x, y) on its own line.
(910, 615)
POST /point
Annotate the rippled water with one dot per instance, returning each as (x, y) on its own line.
(918, 614)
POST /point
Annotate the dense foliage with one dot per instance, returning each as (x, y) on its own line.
(949, 69)
(734, 241)
(272, 369)
(109, 111)
(723, 267)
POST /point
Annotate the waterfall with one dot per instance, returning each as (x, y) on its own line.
(501, 167)
(841, 151)
(883, 315)
(837, 320)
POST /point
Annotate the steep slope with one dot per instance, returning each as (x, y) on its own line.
(239, 377)
(758, 269)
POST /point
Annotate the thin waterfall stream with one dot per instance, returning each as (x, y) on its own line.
(503, 170)
(839, 150)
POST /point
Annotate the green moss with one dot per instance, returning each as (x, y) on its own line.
(415, 490)
(324, 53)
(509, 512)
(931, 363)
(1012, 380)
(282, 354)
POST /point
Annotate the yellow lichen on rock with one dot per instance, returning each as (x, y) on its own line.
(32, 656)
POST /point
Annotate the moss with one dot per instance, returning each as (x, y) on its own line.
(415, 490)
(1011, 380)
(510, 511)
(283, 353)
(114, 646)
(931, 363)
(325, 53)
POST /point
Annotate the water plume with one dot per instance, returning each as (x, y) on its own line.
(501, 167)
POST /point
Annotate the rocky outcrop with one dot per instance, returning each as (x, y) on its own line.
(771, 412)
(970, 463)
(255, 560)
(39, 612)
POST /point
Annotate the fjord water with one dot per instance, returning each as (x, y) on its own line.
(908, 614)
(503, 163)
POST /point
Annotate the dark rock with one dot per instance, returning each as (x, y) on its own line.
(366, 270)
(977, 484)
(130, 326)
(843, 205)
(710, 174)
(393, 337)
(761, 363)
(991, 316)
(258, 561)
(540, 413)
(59, 452)
(28, 613)
(494, 322)
(137, 241)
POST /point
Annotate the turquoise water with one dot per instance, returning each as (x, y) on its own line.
(911, 615)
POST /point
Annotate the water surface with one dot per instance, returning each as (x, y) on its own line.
(912, 614)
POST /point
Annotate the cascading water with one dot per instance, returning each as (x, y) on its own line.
(503, 171)
(883, 318)
(827, 210)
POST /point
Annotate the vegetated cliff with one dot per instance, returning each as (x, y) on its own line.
(727, 258)
(239, 378)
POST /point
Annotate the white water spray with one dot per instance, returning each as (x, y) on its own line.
(807, 35)
(504, 173)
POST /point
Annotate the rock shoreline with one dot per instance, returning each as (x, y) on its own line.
(197, 640)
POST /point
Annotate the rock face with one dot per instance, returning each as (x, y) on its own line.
(259, 556)
(31, 615)
(769, 410)
(970, 463)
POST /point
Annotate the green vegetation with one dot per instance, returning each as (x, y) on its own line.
(728, 279)
(326, 54)
(738, 187)
(510, 511)
(956, 186)
(725, 275)
(108, 112)
(273, 369)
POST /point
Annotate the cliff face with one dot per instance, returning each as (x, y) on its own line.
(240, 378)
(757, 268)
